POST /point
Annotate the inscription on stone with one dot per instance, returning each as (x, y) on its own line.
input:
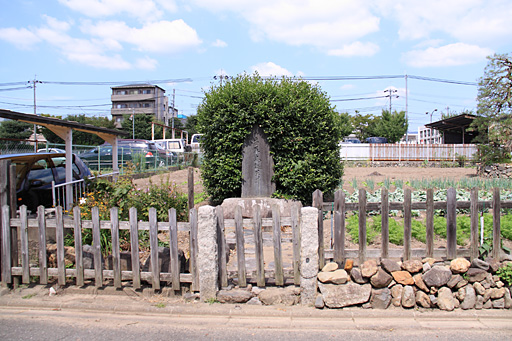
(257, 166)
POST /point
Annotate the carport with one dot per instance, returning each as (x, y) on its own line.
(455, 129)
(64, 129)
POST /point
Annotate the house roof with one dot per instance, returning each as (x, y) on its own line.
(452, 123)
(137, 86)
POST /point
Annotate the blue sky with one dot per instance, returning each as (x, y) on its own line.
(182, 45)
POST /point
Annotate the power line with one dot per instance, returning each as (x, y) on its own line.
(357, 99)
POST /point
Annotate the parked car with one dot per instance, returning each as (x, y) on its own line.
(376, 140)
(351, 140)
(174, 145)
(51, 150)
(128, 149)
(195, 142)
(35, 173)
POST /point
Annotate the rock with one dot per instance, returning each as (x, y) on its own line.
(126, 261)
(88, 257)
(479, 304)
(498, 304)
(164, 260)
(459, 265)
(381, 279)
(426, 267)
(408, 297)
(476, 275)
(433, 290)
(454, 280)
(508, 299)
(367, 305)
(488, 304)
(330, 267)
(389, 265)
(319, 302)
(433, 299)
(494, 264)
(403, 277)
(422, 299)
(396, 294)
(338, 296)
(69, 255)
(461, 284)
(256, 290)
(480, 264)
(437, 276)
(412, 265)
(500, 284)
(380, 298)
(190, 297)
(456, 304)
(356, 276)
(445, 300)
(460, 294)
(339, 276)
(349, 264)
(479, 288)
(369, 268)
(428, 260)
(497, 293)
(487, 294)
(254, 301)
(469, 300)
(418, 280)
(285, 296)
(234, 296)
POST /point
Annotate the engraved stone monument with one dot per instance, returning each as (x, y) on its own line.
(257, 165)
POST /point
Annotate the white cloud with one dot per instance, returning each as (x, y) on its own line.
(448, 55)
(355, 49)
(347, 87)
(161, 36)
(21, 38)
(146, 63)
(142, 9)
(219, 43)
(270, 69)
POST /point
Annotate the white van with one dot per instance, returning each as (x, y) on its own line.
(174, 145)
(195, 142)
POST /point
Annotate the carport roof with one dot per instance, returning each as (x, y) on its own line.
(456, 122)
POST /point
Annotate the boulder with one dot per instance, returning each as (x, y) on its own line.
(454, 280)
(356, 276)
(469, 300)
(380, 298)
(422, 299)
(459, 265)
(476, 274)
(330, 267)
(339, 276)
(494, 264)
(479, 264)
(498, 304)
(389, 265)
(487, 305)
(381, 279)
(234, 296)
(88, 257)
(126, 261)
(479, 288)
(437, 276)
(412, 265)
(445, 300)
(479, 304)
(396, 294)
(285, 296)
(369, 268)
(497, 293)
(164, 260)
(418, 281)
(339, 296)
(408, 297)
(403, 277)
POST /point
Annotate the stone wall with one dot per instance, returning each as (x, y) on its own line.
(503, 171)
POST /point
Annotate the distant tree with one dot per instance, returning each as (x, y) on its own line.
(141, 126)
(80, 137)
(191, 125)
(11, 129)
(363, 125)
(344, 122)
(391, 126)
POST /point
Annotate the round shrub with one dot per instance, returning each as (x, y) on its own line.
(301, 127)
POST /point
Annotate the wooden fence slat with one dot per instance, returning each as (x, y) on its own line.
(339, 228)
(96, 247)
(474, 224)
(430, 223)
(407, 224)
(451, 223)
(318, 202)
(173, 249)
(153, 245)
(190, 183)
(384, 211)
(116, 256)
(258, 247)
(362, 225)
(193, 250)
(6, 246)
(12, 190)
(496, 221)
(240, 247)
(278, 255)
(79, 259)
(25, 277)
(222, 248)
(59, 232)
(134, 245)
(295, 216)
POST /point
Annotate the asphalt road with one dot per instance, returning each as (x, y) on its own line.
(55, 324)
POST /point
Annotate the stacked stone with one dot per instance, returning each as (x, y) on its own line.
(503, 171)
(427, 283)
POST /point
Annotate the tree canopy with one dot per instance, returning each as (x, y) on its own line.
(300, 125)
(12, 129)
(140, 128)
(392, 126)
(80, 137)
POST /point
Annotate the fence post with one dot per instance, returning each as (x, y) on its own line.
(384, 211)
(207, 257)
(134, 246)
(221, 241)
(496, 229)
(96, 246)
(258, 247)
(190, 183)
(407, 224)
(362, 225)
(309, 256)
(318, 202)
(193, 249)
(6, 246)
(295, 216)
(278, 259)
(451, 223)
(153, 245)
(240, 247)
(430, 223)
(473, 251)
(339, 228)
(173, 249)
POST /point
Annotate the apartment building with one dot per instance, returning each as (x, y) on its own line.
(429, 136)
(139, 99)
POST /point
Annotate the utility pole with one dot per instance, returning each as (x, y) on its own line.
(221, 77)
(173, 99)
(133, 123)
(406, 111)
(34, 82)
(391, 92)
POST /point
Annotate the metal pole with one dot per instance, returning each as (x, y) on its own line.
(406, 112)
(133, 123)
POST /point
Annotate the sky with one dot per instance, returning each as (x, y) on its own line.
(431, 52)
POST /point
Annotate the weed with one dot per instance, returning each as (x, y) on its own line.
(26, 297)
(211, 300)
(160, 305)
(505, 273)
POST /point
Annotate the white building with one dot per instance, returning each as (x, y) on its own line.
(429, 136)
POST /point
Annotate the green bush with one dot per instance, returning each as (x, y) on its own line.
(302, 129)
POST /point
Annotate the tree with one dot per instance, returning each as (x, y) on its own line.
(141, 126)
(300, 125)
(344, 122)
(191, 125)
(12, 129)
(494, 110)
(363, 125)
(391, 126)
(80, 137)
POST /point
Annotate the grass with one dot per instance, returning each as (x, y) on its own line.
(26, 297)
